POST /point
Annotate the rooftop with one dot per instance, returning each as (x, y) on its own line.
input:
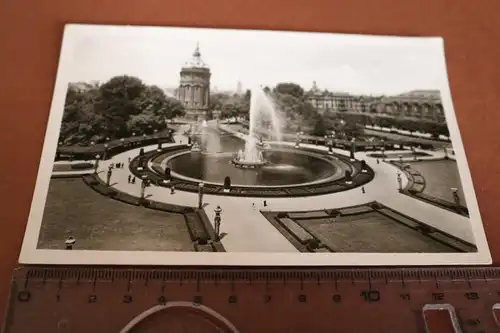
(195, 61)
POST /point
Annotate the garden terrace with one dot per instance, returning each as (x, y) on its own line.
(200, 231)
(115, 147)
(389, 143)
(436, 191)
(100, 220)
(367, 228)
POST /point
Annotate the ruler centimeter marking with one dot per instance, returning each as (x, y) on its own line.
(473, 292)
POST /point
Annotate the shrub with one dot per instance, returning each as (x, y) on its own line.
(333, 212)
(203, 240)
(425, 229)
(312, 244)
(282, 215)
(82, 166)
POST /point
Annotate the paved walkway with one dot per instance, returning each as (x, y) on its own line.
(248, 231)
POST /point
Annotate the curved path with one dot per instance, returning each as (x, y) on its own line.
(248, 230)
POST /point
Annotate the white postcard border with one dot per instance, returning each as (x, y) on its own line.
(31, 255)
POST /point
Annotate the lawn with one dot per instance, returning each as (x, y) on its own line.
(59, 167)
(440, 176)
(101, 223)
(371, 233)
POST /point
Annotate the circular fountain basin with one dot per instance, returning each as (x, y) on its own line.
(281, 167)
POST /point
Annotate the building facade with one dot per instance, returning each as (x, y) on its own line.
(418, 105)
(194, 87)
(423, 105)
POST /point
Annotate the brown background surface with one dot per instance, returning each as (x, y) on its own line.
(30, 39)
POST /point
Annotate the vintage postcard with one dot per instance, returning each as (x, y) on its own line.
(190, 146)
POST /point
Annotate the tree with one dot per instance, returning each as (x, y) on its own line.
(120, 99)
(174, 108)
(319, 128)
(229, 110)
(289, 88)
(115, 109)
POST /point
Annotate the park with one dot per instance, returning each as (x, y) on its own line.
(263, 171)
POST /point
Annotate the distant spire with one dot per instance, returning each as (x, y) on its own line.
(315, 86)
(196, 61)
(196, 52)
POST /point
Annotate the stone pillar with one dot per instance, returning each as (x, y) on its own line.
(435, 112)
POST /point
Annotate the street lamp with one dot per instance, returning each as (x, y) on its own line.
(297, 140)
(96, 165)
(108, 176)
(400, 181)
(217, 221)
(456, 198)
(383, 149)
(143, 186)
(200, 195)
(104, 155)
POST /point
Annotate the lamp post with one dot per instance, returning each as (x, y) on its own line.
(108, 176)
(456, 198)
(200, 195)
(143, 186)
(96, 165)
(383, 149)
(217, 221)
(104, 155)
(353, 148)
(400, 181)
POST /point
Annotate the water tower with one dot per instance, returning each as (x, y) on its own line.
(194, 87)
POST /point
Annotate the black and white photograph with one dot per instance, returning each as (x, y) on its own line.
(194, 146)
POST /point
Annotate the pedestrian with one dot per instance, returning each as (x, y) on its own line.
(378, 161)
(133, 180)
(265, 203)
(129, 159)
(172, 189)
(129, 178)
(253, 205)
(363, 189)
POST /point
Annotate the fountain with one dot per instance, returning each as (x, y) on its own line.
(261, 109)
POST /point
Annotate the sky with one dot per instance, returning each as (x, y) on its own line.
(342, 63)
